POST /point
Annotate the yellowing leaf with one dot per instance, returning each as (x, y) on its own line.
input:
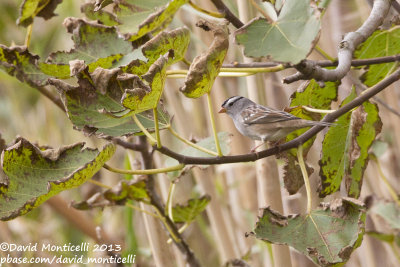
(205, 67)
(34, 175)
(143, 98)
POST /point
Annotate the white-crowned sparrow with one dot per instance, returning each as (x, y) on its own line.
(262, 123)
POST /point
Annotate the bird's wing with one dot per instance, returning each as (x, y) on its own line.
(263, 115)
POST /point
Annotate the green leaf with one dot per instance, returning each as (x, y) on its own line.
(118, 195)
(147, 96)
(389, 212)
(35, 175)
(139, 17)
(188, 212)
(380, 43)
(312, 95)
(19, 62)
(98, 94)
(289, 39)
(366, 126)
(205, 67)
(165, 42)
(103, 16)
(97, 45)
(328, 236)
(177, 40)
(345, 148)
(36, 8)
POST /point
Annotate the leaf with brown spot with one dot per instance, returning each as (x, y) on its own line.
(36, 8)
(345, 148)
(205, 67)
(34, 175)
(147, 97)
(97, 95)
(328, 235)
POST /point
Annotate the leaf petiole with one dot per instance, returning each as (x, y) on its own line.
(305, 177)
(152, 141)
(210, 110)
(156, 127)
(145, 172)
(205, 150)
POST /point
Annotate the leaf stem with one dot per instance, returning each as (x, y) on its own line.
(156, 127)
(99, 184)
(180, 230)
(324, 54)
(205, 150)
(152, 141)
(210, 13)
(171, 232)
(315, 110)
(249, 70)
(305, 176)
(210, 110)
(392, 192)
(28, 35)
(145, 172)
(168, 205)
(141, 210)
(262, 11)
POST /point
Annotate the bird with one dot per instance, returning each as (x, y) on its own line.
(263, 123)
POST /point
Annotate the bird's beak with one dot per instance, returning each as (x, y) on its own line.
(222, 110)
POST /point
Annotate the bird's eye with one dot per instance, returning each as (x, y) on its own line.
(230, 104)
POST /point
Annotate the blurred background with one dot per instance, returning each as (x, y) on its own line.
(237, 190)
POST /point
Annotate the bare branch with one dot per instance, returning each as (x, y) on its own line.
(155, 201)
(321, 63)
(56, 100)
(292, 144)
(308, 69)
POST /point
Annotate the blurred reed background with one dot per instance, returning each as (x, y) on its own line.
(237, 190)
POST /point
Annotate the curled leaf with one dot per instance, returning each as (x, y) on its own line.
(36, 8)
(205, 67)
(97, 94)
(34, 175)
(145, 97)
(328, 235)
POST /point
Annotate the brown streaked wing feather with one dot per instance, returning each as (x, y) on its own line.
(262, 115)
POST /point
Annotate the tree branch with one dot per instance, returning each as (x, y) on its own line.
(222, 8)
(308, 69)
(155, 201)
(292, 144)
(321, 63)
(56, 100)
(128, 145)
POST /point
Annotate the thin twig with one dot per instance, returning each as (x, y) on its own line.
(222, 8)
(307, 69)
(155, 201)
(293, 143)
(128, 145)
(321, 63)
(57, 101)
(145, 172)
